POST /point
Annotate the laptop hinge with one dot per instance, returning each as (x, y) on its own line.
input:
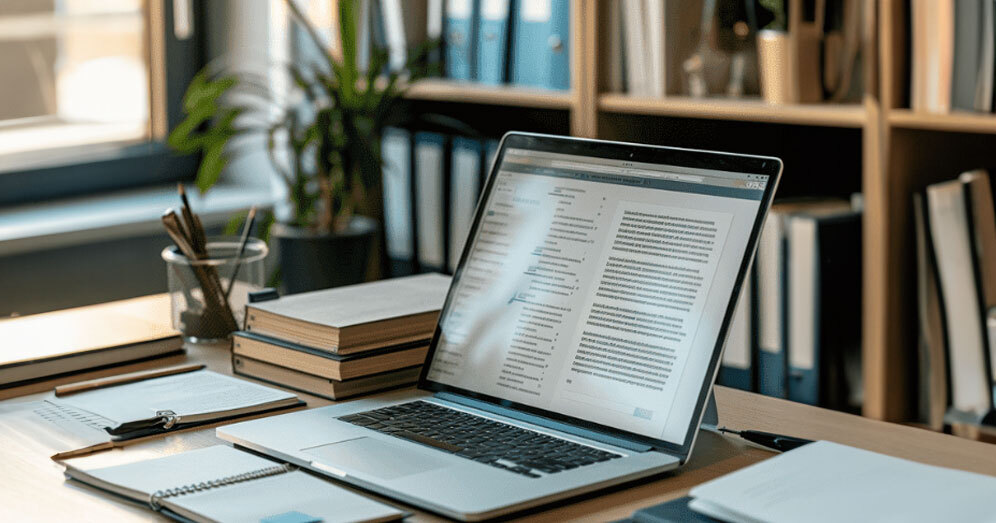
(600, 437)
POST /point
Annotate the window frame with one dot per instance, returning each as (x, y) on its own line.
(172, 63)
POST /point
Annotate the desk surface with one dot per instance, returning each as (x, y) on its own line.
(32, 485)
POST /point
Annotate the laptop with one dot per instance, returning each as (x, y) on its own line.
(579, 341)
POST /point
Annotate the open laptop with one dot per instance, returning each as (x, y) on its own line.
(579, 341)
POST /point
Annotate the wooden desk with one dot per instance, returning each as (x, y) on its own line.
(32, 487)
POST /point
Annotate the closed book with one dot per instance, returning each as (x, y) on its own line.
(737, 366)
(978, 190)
(430, 165)
(396, 148)
(325, 364)
(960, 293)
(824, 308)
(321, 386)
(220, 483)
(57, 343)
(354, 318)
(541, 44)
(459, 34)
(615, 49)
(987, 59)
(968, 44)
(492, 41)
(932, 369)
(772, 293)
(933, 43)
(637, 78)
(465, 175)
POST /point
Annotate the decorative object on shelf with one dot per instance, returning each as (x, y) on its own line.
(209, 279)
(324, 142)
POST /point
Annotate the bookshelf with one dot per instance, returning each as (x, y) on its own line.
(879, 147)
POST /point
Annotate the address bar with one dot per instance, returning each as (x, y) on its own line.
(626, 171)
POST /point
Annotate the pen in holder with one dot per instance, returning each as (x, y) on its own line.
(209, 279)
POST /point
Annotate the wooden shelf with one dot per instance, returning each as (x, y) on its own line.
(750, 110)
(956, 122)
(465, 92)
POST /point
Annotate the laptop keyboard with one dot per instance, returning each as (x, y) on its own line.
(500, 445)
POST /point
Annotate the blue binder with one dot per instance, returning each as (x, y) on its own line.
(397, 179)
(541, 43)
(492, 41)
(771, 368)
(460, 37)
(465, 171)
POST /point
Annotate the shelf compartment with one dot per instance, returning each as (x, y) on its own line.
(965, 122)
(748, 110)
(505, 95)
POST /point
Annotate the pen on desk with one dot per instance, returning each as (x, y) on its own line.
(768, 439)
(84, 386)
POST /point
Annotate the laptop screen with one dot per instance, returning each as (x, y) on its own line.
(596, 288)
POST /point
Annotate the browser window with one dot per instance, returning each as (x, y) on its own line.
(596, 288)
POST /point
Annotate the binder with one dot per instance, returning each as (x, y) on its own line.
(464, 187)
(429, 174)
(770, 274)
(541, 44)
(393, 21)
(490, 153)
(397, 182)
(492, 41)
(435, 20)
(737, 369)
(460, 39)
(824, 308)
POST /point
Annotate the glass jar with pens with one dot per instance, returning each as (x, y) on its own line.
(210, 278)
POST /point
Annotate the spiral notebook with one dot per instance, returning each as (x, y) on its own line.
(220, 484)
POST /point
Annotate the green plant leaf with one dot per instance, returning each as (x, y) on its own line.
(212, 164)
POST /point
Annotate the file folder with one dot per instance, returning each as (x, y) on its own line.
(397, 181)
(541, 44)
(429, 174)
(492, 41)
(736, 369)
(460, 39)
(464, 188)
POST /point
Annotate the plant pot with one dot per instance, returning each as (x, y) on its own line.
(310, 261)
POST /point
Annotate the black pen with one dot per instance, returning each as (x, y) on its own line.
(767, 439)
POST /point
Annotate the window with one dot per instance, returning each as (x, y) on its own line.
(90, 90)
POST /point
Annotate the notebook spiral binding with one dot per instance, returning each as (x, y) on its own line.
(159, 495)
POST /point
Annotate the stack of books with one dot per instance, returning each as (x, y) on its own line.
(342, 342)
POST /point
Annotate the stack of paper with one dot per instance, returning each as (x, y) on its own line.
(826, 481)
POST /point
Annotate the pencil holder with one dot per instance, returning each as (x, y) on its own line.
(209, 295)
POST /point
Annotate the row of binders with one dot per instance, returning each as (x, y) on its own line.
(431, 185)
(953, 55)
(796, 332)
(493, 42)
(956, 298)
(522, 42)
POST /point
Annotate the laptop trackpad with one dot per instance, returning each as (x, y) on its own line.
(375, 457)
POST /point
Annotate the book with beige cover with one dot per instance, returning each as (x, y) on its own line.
(354, 318)
(55, 343)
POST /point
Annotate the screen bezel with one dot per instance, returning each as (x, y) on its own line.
(671, 156)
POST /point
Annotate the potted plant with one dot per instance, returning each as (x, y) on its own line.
(324, 142)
